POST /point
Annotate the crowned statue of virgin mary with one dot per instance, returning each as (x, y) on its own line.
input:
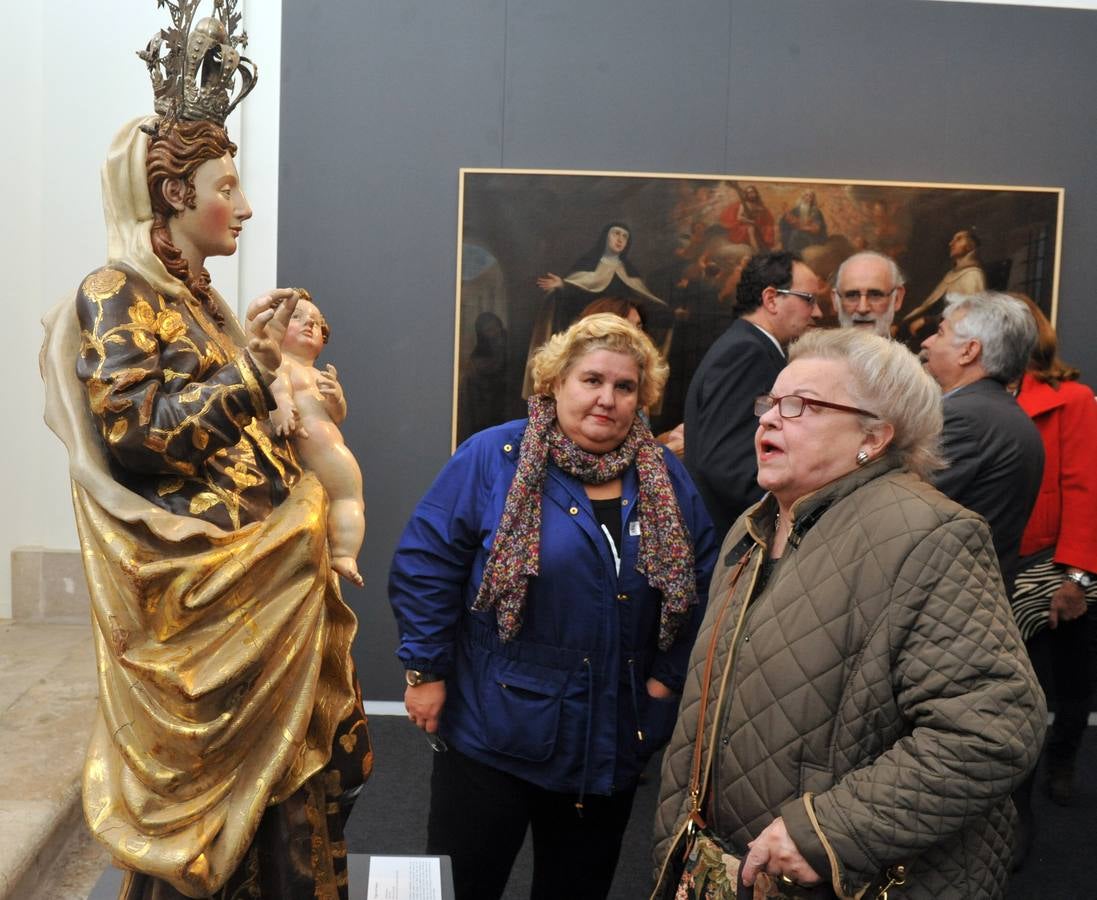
(230, 740)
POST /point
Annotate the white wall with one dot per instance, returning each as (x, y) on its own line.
(73, 80)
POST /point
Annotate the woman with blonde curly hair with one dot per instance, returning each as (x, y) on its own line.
(548, 588)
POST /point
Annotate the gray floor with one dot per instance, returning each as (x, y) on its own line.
(391, 814)
(390, 818)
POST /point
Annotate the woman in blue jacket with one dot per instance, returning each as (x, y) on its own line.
(548, 589)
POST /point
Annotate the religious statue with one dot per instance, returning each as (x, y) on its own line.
(310, 407)
(230, 740)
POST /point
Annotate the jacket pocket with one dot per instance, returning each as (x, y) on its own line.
(817, 779)
(659, 717)
(520, 707)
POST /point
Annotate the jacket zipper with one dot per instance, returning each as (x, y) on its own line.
(635, 698)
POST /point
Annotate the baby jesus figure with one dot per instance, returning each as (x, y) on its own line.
(310, 407)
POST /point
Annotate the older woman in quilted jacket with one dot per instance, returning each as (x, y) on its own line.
(868, 705)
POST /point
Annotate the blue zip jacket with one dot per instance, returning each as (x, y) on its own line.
(564, 704)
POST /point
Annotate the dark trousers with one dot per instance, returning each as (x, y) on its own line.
(1062, 658)
(1063, 661)
(479, 816)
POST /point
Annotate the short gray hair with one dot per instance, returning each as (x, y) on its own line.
(1001, 324)
(887, 379)
(897, 279)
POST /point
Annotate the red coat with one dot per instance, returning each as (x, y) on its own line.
(1065, 515)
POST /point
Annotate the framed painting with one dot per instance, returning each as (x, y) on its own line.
(531, 247)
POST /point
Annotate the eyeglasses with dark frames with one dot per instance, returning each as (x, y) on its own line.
(809, 299)
(874, 296)
(791, 406)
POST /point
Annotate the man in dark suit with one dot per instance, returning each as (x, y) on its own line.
(994, 452)
(776, 303)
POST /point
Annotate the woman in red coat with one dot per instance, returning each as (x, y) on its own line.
(1058, 579)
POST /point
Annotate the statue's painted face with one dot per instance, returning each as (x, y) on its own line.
(213, 225)
(304, 332)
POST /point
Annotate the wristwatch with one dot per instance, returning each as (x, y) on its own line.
(1081, 578)
(414, 677)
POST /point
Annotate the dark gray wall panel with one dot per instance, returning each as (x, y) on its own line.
(915, 91)
(606, 85)
(380, 104)
(383, 101)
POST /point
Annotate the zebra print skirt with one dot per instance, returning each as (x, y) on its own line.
(1038, 578)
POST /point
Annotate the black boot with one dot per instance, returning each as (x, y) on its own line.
(1060, 780)
(1071, 715)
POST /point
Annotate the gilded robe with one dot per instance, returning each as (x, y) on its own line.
(229, 736)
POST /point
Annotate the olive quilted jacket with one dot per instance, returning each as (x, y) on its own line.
(876, 693)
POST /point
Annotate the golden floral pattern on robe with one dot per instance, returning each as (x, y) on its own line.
(180, 406)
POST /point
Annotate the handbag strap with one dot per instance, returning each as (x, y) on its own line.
(706, 681)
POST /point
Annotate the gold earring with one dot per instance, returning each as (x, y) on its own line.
(862, 457)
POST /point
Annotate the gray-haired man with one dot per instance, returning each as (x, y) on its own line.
(994, 452)
(868, 292)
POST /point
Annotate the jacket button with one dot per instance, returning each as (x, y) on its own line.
(622, 596)
(574, 510)
(507, 448)
(624, 501)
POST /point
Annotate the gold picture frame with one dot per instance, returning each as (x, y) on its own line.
(688, 233)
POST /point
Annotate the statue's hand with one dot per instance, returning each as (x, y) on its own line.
(265, 324)
(286, 420)
(331, 391)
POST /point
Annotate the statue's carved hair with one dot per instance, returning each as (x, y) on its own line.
(176, 150)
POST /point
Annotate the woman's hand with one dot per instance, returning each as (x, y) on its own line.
(331, 392)
(549, 282)
(1067, 603)
(424, 704)
(265, 324)
(658, 690)
(774, 852)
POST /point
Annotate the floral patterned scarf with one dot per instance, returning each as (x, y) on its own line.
(666, 553)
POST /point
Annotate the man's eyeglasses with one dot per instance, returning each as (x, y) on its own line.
(791, 406)
(874, 296)
(809, 299)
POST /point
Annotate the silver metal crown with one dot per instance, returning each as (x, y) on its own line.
(193, 71)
